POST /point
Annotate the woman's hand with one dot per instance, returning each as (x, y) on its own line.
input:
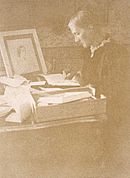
(77, 77)
(70, 76)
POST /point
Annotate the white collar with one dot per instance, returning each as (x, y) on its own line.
(93, 49)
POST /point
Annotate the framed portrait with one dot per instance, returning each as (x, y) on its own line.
(21, 52)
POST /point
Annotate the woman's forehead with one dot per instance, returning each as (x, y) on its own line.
(74, 28)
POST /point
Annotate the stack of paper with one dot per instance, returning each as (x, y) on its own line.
(17, 98)
(59, 80)
(63, 98)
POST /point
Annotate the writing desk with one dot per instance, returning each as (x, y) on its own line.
(40, 149)
(30, 124)
(92, 110)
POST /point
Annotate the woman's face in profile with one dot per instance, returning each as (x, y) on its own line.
(82, 35)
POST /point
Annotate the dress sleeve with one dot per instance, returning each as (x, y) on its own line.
(115, 73)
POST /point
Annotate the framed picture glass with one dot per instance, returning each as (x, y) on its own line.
(21, 52)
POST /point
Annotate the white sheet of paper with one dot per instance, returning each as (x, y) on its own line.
(63, 98)
(38, 83)
(21, 101)
(14, 82)
(59, 80)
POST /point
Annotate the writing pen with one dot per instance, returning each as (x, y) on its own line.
(65, 75)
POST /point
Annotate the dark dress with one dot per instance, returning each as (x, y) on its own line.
(108, 71)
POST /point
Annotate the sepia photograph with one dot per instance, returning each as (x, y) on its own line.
(21, 52)
(65, 89)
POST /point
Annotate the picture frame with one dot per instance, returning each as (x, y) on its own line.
(21, 52)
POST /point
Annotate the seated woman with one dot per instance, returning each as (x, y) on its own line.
(106, 63)
(105, 66)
